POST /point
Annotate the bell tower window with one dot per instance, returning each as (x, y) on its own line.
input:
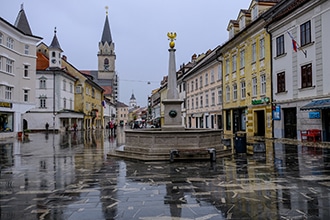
(106, 64)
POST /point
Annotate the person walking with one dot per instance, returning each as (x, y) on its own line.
(47, 126)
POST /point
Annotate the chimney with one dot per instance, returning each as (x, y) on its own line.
(193, 58)
(64, 58)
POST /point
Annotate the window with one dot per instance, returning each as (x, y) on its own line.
(93, 92)
(26, 71)
(306, 76)
(9, 66)
(254, 52)
(254, 86)
(281, 82)
(192, 103)
(228, 120)
(212, 76)
(219, 96)
(64, 103)
(26, 49)
(242, 59)
(10, 43)
(220, 71)
(212, 98)
(243, 90)
(305, 33)
(42, 102)
(234, 63)
(78, 89)
(206, 99)
(0, 63)
(262, 48)
(263, 84)
(26, 95)
(64, 85)
(1, 37)
(192, 85)
(196, 83)
(201, 81)
(71, 88)
(71, 104)
(42, 83)
(53, 54)
(201, 101)
(8, 92)
(280, 45)
(227, 66)
(254, 12)
(196, 101)
(206, 79)
(235, 91)
(227, 93)
(188, 104)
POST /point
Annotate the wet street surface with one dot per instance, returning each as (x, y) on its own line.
(70, 177)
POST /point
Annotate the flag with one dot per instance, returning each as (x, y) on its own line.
(103, 104)
(294, 43)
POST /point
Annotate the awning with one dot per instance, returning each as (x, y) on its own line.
(317, 105)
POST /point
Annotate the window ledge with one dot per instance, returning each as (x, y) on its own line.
(306, 88)
(281, 93)
(280, 56)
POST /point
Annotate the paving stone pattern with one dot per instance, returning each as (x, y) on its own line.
(70, 177)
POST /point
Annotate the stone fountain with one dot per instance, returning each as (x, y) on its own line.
(172, 141)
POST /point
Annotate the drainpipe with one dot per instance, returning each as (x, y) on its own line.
(271, 74)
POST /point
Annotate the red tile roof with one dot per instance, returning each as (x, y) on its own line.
(42, 61)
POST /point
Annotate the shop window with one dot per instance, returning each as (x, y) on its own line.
(6, 122)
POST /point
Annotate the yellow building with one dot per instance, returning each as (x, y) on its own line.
(246, 58)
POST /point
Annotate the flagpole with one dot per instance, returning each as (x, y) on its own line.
(296, 45)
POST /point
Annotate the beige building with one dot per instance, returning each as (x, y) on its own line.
(203, 84)
(122, 113)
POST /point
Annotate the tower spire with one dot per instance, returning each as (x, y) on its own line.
(106, 35)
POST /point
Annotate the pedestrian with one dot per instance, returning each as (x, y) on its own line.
(47, 126)
(75, 126)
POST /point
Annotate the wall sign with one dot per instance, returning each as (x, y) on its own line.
(314, 115)
(277, 113)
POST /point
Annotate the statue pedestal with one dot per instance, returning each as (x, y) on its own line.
(172, 114)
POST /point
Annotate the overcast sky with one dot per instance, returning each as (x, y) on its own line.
(138, 28)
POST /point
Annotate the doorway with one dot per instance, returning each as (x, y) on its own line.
(260, 123)
(290, 123)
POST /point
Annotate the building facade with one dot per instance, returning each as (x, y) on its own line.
(17, 73)
(300, 44)
(246, 62)
(204, 92)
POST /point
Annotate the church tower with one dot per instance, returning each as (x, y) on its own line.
(55, 53)
(106, 54)
(132, 102)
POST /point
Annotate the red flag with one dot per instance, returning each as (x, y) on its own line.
(294, 45)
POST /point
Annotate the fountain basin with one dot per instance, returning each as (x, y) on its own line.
(156, 144)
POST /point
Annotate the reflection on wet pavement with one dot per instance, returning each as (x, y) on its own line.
(69, 177)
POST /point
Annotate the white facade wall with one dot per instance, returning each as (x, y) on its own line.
(291, 62)
(16, 78)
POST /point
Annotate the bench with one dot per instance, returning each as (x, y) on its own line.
(180, 152)
(311, 134)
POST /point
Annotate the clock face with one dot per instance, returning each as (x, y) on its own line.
(54, 61)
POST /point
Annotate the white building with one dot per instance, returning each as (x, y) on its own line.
(17, 73)
(300, 77)
(54, 93)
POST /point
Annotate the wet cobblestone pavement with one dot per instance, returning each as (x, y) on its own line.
(70, 177)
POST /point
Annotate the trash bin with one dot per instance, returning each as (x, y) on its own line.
(240, 142)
